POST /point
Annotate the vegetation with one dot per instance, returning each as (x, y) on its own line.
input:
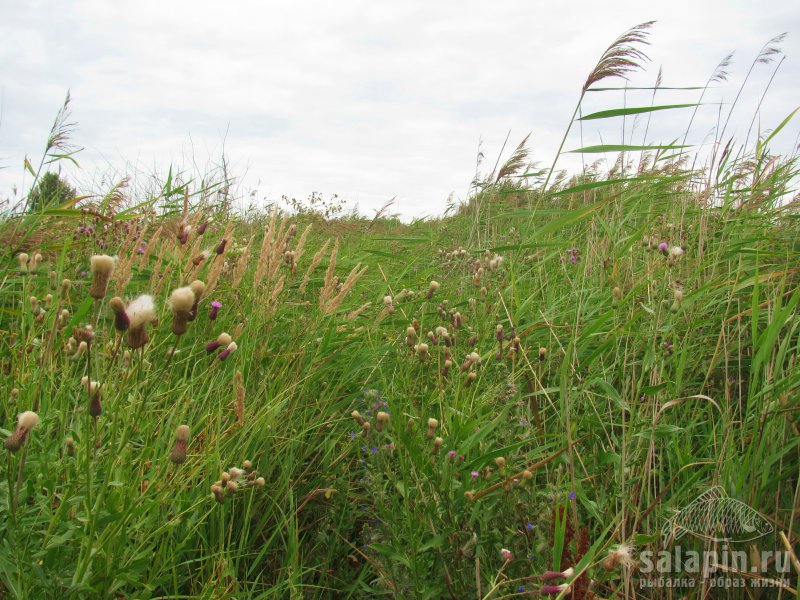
(317, 405)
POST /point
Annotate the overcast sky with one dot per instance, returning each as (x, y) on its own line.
(369, 100)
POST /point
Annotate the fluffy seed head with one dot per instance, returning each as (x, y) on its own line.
(198, 288)
(141, 311)
(27, 420)
(182, 433)
(102, 266)
(22, 257)
(433, 423)
(182, 299)
(224, 339)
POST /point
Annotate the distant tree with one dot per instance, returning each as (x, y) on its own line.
(51, 190)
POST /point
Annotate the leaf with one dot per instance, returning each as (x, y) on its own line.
(623, 148)
(634, 110)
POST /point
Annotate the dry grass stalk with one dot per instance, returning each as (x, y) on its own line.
(241, 264)
(621, 57)
(239, 400)
(332, 294)
(314, 264)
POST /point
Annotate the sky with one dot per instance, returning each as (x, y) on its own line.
(369, 100)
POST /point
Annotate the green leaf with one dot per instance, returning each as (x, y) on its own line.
(634, 110)
(623, 148)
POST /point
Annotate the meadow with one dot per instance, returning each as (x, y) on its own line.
(507, 401)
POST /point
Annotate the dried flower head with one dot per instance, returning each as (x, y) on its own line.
(140, 312)
(227, 352)
(22, 257)
(621, 556)
(181, 301)
(102, 267)
(25, 422)
(433, 286)
(199, 290)
(382, 418)
(432, 425)
(178, 454)
(121, 320)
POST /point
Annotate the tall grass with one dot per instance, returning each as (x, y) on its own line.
(634, 335)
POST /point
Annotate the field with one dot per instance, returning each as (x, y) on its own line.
(508, 401)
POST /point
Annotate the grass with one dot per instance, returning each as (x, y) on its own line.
(615, 382)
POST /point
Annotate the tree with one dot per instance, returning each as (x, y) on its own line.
(51, 190)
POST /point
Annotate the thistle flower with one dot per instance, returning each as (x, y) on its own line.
(500, 462)
(82, 348)
(622, 555)
(506, 555)
(200, 258)
(212, 313)
(66, 284)
(222, 340)
(227, 352)
(471, 377)
(178, 454)
(411, 336)
(421, 351)
(22, 257)
(554, 589)
(432, 425)
(365, 428)
(181, 301)
(121, 320)
(437, 443)
(446, 367)
(199, 290)
(102, 266)
(473, 358)
(542, 354)
(25, 422)
(93, 389)
(662, 247)
(357, 416)
(140, 312)
(432, 287)
(387, 300)
(566, 574)
(260, 481)
(382, 418)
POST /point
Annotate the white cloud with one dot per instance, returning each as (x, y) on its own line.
(368, 100)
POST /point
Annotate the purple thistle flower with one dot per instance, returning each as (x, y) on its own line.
(475, 474)
(215, 306)
(451, 455)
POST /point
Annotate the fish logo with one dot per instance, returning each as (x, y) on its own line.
(716, 517)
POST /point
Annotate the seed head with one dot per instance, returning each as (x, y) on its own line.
(178, 454)
(433, 286)
(181, 301)
(102, 266)
(382, 419)
(22, 257)
(25, 422)
(227, 352)
(140, 312)
(121, 320)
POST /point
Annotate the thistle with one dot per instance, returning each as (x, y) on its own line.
(102, 267)
(432, 425)
(121, 320)
(617, 296)
(433, 286)
(676, 301)
(93, 389)
(471, 377)
(382, 419)
(542, 354)
(227, 352)
(181, 301)
(506, 555)
(411, 336)
(421, 350)
(25, 422)
(357, 416)
(566, 574)
(140, 312)
(33, 264)
(222, 340)
(22, 257)
(212, 313)
(178, 454)
(199, 289)
(387, 301)
(619, 556)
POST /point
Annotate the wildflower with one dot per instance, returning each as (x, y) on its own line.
(66, 284)
(500, 462)
(199, 289)
(22, 257)
(217, 493)
(675, 252)
(619, 556)
(499, 332)
(93, 390)
(554, 589)
(471, 377)
(82, 348)
(451, 455)
(25, 422)
(662, 247)
(181, 301)
(475, 474)
(411, 336)
(437, 443)
(121, 320)
(382, 419)
(542, 353)
(446, 367)
(548, 575)
(432, 425)
(365, 428)
(33, 265)
(357, 416)
(70, 444)
(529, 526)
(140, 312)
(421, 350)
(506, 554)
(225, 353)
(432, 287)
(222, 340)
(571, 495)
(260, 481)
(201, 229)
(178, 454)
(387, 300)
(473, 358)
(200, 258)
(102, 266)
(212, 313)
(617, 294)
(221, 248)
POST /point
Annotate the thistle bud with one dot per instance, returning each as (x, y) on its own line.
(365, 428)
(53, 280)
(93, 390)
(201, 229)
(212, 313)
(527, 475)
(260, 481)
(178, 454)
(499, 332)
(677, 300)
(448, 364)
(102, 266)
(121, 320)
(25, 422)
(66, 284)
(221, 248)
